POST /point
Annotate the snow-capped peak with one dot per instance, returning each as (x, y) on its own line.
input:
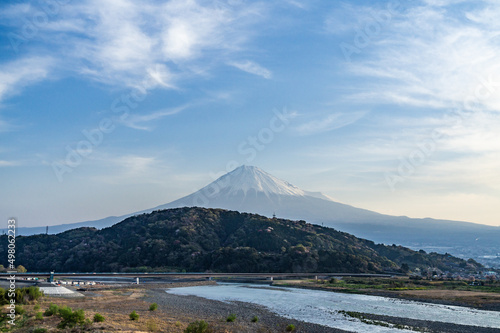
(253, 179)
(246, 178)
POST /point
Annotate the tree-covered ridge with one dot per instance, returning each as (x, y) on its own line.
(199, 239)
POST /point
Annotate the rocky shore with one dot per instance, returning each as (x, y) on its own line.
(431, 326)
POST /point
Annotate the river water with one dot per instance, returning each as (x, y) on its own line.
(320, 307)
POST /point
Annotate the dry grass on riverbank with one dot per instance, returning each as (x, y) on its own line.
(115, 304)
(174, 313)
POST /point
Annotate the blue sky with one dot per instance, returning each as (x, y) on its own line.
(110, 107)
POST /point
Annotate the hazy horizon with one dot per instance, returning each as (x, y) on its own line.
(112, 107)
(221, 184)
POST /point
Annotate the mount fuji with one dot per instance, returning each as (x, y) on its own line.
(250, 189)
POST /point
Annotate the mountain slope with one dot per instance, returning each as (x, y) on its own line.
(199, 239)
(250, 189)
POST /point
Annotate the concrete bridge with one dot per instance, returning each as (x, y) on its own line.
(200, 275)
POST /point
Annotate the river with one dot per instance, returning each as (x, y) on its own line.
(321, 307)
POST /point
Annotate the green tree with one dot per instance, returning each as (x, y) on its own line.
(21, 269)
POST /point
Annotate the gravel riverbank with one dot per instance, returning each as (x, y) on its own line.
(191, 308)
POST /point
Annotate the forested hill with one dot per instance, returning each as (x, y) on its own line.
(199, 239)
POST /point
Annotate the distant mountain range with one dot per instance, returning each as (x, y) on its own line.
(201, 239)
(250, 189)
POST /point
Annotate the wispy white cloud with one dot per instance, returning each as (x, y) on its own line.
(347, 17)
(140, 121)
(4, 163)
(297, 4)
(135, 164)
(429, 56)
(440, 3)
(329, 123)
(5, 126)
(132, 168)
(430, 60)
(473, 173)
(189, 28)
(117, 42)
(252, 68)
(17, 74)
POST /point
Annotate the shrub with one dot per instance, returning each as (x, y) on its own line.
(87, 323)
(34, 293)
(198, 327)
(19, 310)
(255, 319)
(152, 326)
(153, 307)
(23, 295)
(98, 318)
(39, 316)
(37, 307)
(40, 330)
(290, 328)
(52, 310)
(3, 297)
(71, 318)
(133, 315)
(231, 318)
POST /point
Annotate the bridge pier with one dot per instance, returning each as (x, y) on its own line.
(137, 280)
(270, 278)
